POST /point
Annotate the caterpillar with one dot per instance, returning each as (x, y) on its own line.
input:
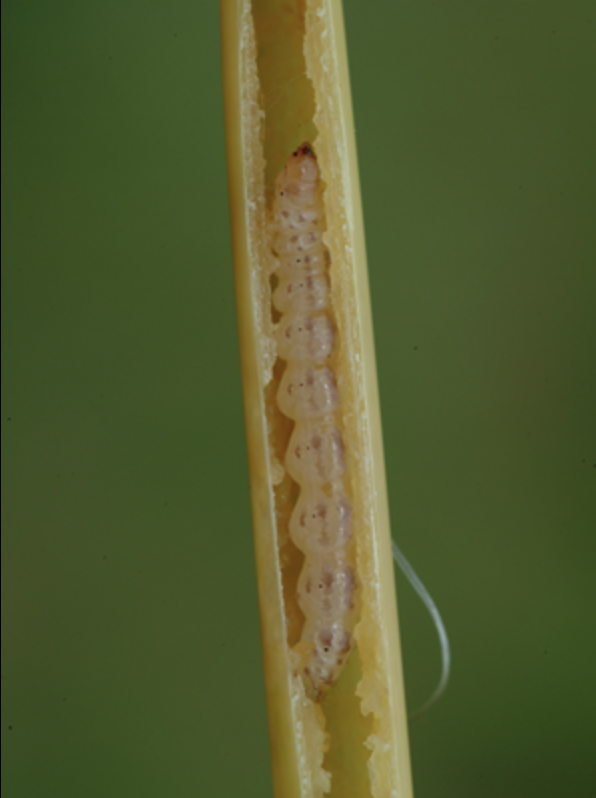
(320, 524)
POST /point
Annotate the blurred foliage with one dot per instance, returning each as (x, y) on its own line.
(130, 642)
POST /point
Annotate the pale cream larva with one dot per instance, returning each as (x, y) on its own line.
(320, 525)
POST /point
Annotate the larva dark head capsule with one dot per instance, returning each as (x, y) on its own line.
(304, 149)
(300, 176)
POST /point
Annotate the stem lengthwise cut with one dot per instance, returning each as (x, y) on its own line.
(324, 566)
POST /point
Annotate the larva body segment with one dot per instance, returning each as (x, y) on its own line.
(303, 292)
(315, 453)
(326, 586)
(320, 525)
(307, 392)
(305, 337)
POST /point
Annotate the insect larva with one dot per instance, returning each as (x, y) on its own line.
(320, 525)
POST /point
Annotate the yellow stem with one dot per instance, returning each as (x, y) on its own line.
(286, 82)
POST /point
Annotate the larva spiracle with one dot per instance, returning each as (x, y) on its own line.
(320, 525)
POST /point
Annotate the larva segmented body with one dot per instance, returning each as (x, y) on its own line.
(320, 525)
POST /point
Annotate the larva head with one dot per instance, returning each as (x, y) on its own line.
(300, 174)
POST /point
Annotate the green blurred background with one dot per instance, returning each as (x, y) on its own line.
(131, 660)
